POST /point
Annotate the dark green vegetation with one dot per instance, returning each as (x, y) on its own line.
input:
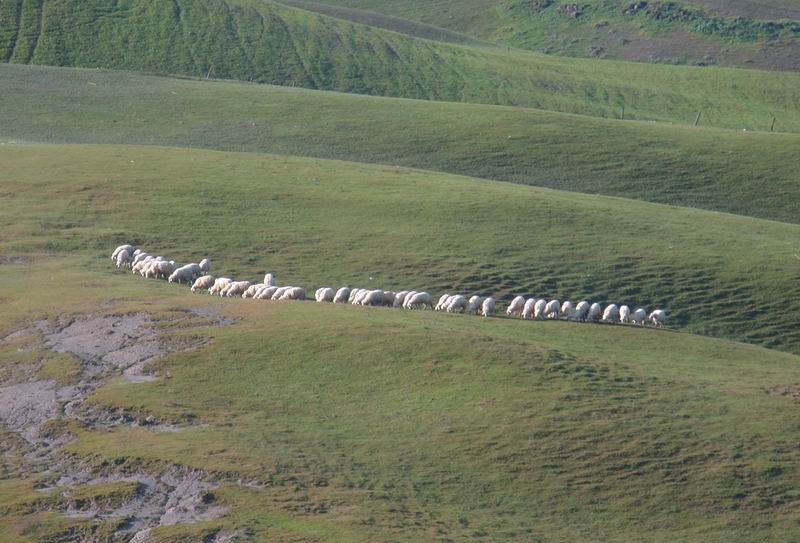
(752, 174)
(733, 277)
(272, 43)
(735, 33)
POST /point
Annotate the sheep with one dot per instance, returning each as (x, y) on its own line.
(611, 313)
(360, 296)
(639, 316)
(126, 247)
(527, 309)
(410, 294)
(236, 288)
(553, 309)
(203, 283)
(420, 300)
(159, 269)
(516, 306)
(138, 258)
(279, 292)
(658, 318)
(388, 298)
(581, 310)
(137, 252)
(341, 295)
(624, 314)
(294, 293)
(205, 265)
(595, 310)
(372, 297)
(140, 266)
(325, 294)
(487, 307)
(124, 259)
(265, 293)
(251, 290)
(269, 280)
(568, 310)
(441, 305)
(399, 298)
(187, 274)
(539, 309)
(474, 305)
(352, 295)
(456, 304)
(219, 284)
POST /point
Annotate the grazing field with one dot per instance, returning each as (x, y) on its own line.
(340, 423)
(268, 42)
(305, 219)
(748, 173)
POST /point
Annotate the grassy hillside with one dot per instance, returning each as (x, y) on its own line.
(746, 173)
(319, 222)
(448, 428)
(271, 43)
(733, 33)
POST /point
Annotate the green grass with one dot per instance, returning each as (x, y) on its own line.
(688, 32)
(270, 43)
(749, 173)
(317, 222)
(384, 425)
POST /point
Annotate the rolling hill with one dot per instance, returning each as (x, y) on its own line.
(428, 231)
(332, 423)
(268, 42)
(752, 174)
(753, 33)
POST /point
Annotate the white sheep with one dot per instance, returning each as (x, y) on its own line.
(140, 266)
(639, 316)
(269, 280)
(325, 294)
(611, 313)
(441, 305)
(399, 298)
(474, 305)
(293, 293)
(203, 283)
(568, 310)
(539, 309)
(159, 269)
(487, 307)
(410, 294)
(124, 259)
(527, 309)
(553, 309)
(265, 293)
(185, 274)
(219, 284)
(372, 297)
(126, 247)
(362, 293)
(516, 306)
(624, 314)
(251, 290)
(138, 258)
(279, 292)
(341, 295)
(420, 300)
(581, 310)
(658, 318)
(205, 265)
(388, 298)
(352, 296)
(236, 288)
(595, 310)
(456, 304)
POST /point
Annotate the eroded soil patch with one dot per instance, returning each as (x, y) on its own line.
(107, 346)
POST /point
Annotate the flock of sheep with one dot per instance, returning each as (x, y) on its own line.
(157, 267)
